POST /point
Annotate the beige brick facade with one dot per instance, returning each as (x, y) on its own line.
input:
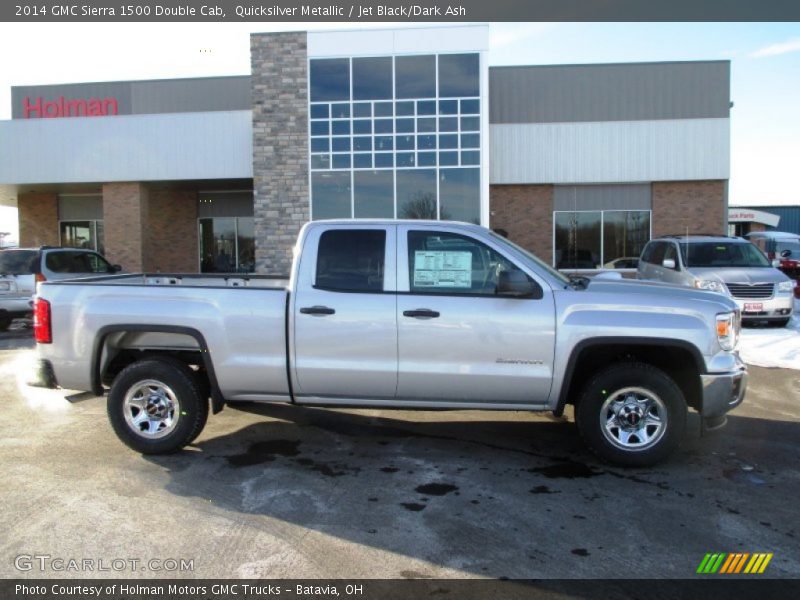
(171, 232)
(696, 205)
(125, 213)
(526, 213)
(38, 219)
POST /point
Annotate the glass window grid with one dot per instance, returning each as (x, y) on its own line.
(468, 106)
(602, 227)
(463, 145)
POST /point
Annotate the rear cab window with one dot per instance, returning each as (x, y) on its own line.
(351, 260)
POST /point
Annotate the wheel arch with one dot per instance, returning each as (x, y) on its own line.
(679, 359)
(101, 342)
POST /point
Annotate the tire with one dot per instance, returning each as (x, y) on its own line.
(5, 322)
(166, 389)
(632, 394)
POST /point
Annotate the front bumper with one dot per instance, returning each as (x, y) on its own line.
(722, 392)
(778, 307)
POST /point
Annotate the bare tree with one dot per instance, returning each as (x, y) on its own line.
(422, 206)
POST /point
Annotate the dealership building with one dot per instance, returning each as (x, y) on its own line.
(581, 164)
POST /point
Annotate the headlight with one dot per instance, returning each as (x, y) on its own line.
(786, 286)
(728, 330)
(710, 285)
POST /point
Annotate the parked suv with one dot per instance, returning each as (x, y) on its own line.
(22, 268)
(727, 265)
(783, 247)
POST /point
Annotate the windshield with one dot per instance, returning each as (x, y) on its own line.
(18, 262)
(535, 259)
(723, 254)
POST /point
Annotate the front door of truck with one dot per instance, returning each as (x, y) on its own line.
(345, 314)
(458, 340)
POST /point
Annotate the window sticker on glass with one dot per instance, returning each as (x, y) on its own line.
(439, 269)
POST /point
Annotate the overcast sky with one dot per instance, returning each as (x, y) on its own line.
(765, 87)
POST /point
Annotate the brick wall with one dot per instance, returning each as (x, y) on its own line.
(526, 213)
(171, 232)
(38, 219)
(698, 205)
(125, 213)
(280, 145)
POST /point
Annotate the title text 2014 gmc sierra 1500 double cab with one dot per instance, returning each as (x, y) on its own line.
(397, 314)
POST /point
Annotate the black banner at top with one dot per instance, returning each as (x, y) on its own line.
(355, 11)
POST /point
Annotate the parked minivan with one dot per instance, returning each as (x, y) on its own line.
(726, 265)
(22, 268)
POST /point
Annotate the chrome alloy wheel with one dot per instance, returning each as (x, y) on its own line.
(633, 418)
(151, 409)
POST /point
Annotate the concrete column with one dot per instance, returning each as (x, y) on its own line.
(38, 219)
(280, 145)
(125, 217)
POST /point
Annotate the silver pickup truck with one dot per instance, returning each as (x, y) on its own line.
(397, 314)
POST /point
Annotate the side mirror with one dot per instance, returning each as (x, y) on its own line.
(116, 268)
(776, 263)
(668, 263)
(514, 284)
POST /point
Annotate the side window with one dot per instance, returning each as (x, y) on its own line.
(351, 260)
(77, 262)
(448, 263)
(657, 254)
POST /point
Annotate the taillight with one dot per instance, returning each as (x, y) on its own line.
(42, 329)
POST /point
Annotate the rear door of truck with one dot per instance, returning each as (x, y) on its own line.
(344, 313)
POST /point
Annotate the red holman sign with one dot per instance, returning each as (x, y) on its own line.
(36, 108)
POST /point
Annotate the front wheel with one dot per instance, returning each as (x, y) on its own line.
(632, 414)
(156, 406)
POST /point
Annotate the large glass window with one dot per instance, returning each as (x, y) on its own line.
(330, 79)
(609, 239)
(416, 194)
(82, 234)
(331, 195)
(396, 116)
(415, 76)
(373, 192)
(372, 78)
(227, 245)
(459, 75)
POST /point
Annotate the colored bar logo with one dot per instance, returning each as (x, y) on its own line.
(724, 563)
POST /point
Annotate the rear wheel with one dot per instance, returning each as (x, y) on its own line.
(157, 406)
(632, 414)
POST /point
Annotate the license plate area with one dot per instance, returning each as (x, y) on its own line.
(753, 307)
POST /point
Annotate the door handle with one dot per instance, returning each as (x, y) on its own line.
(317, 311)
(420, 313)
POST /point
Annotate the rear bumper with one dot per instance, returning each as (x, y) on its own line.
(722, 392)
(43, 375)
(17, 306)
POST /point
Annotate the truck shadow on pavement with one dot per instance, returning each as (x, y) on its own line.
(490, 497)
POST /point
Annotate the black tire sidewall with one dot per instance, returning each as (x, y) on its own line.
(587, 413)
(193, 410)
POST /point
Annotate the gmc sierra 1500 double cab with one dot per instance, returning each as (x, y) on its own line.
(397, 314)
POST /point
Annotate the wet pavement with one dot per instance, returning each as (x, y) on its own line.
(283, 491)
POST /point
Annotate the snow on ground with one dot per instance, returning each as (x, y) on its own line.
(773, 346)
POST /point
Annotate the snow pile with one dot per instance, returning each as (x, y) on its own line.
(773, 346)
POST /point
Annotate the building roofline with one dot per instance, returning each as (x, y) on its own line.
(165, 79)
(612, 64)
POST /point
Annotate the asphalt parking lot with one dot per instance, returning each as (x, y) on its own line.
(281, 491)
